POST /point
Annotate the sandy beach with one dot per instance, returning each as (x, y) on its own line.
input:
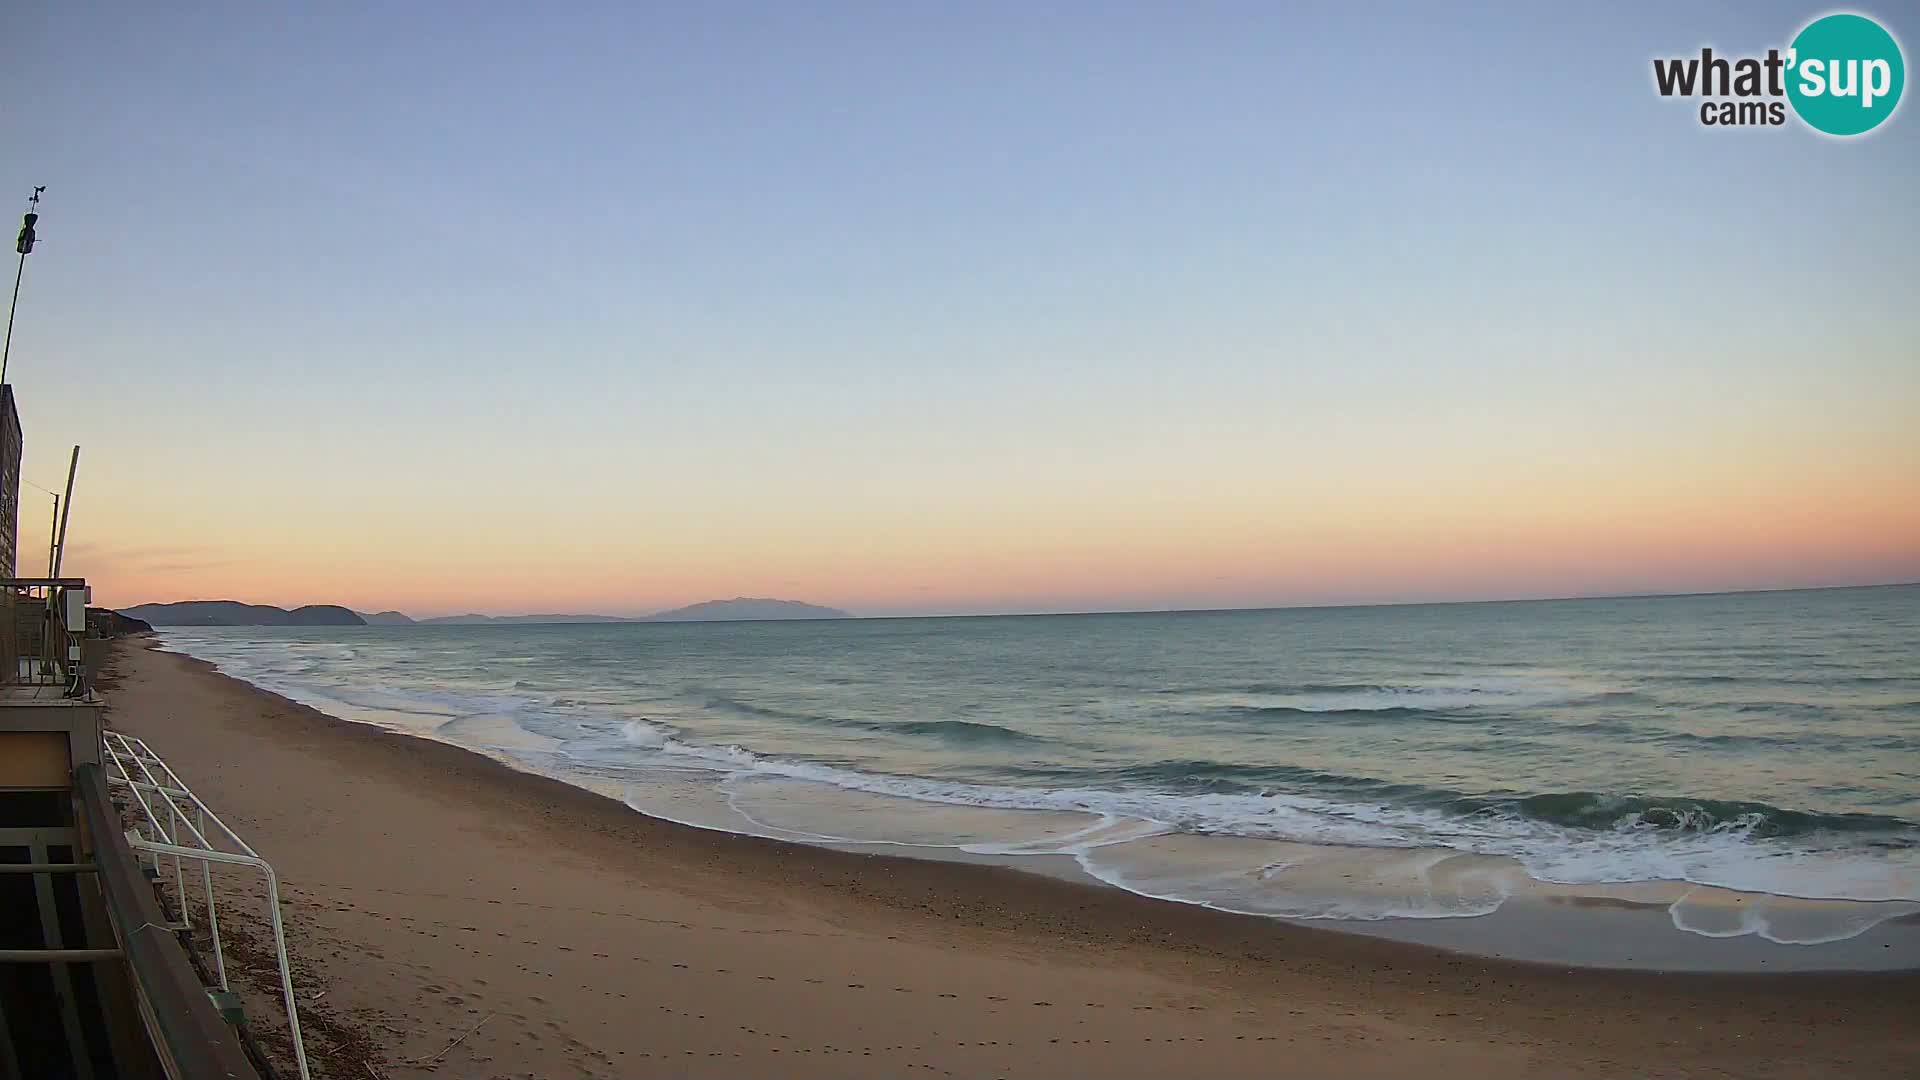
(433, 893)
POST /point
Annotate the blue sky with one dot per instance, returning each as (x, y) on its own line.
(801, 273)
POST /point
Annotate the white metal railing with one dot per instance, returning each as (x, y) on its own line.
(179, 820)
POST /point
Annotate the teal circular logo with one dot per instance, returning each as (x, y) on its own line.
(1845, 74)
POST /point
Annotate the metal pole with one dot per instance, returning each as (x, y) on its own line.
(7, 354)
(53, 535)
(213, 917)
(179, 875)
(60, 546)
(286, 976)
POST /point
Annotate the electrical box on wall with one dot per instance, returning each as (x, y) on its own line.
(75, 608)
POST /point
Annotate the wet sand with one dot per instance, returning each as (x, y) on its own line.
(431, 892)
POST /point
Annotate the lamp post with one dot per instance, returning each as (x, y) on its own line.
(24, 245)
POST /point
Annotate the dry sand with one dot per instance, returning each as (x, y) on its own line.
(429, 890)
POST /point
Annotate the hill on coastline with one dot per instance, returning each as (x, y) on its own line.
(744, 608)
(107, 623)
(738, 609)
(476, 620)
(234, 613)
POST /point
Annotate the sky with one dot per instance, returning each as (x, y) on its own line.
(948, 308)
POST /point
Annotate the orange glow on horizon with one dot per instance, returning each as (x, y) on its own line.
(1171, 555)
(1429, 508)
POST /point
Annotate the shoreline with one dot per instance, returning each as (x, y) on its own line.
(1634, 926)
(377, 805)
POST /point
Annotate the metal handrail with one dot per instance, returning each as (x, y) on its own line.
(188, 1035)
(185, 839)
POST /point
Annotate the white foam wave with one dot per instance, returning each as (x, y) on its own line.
(1782, 923)
(1550, 853)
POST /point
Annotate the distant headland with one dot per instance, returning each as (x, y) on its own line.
(234, 613)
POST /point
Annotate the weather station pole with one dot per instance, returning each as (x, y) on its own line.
(23, 245)
(53, 537)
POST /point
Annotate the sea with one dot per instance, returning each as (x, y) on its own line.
(1746, 764)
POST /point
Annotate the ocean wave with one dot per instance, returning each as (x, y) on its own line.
(1586, 810)
(1441, 714)
(1603, 843)
(1207, 776)
(1601, 811)
(1610, 726)
(1802, 740)
(957, 731)
(726, 703)
(1439, 693)
(1799, 678)
(963, 731)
